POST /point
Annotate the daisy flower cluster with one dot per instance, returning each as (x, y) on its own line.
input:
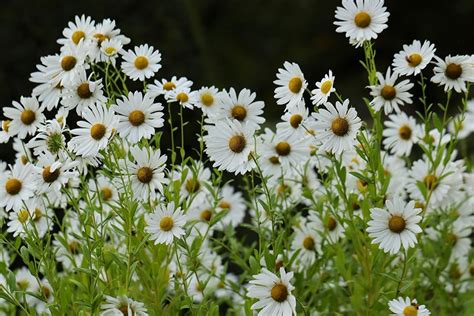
(320, 212)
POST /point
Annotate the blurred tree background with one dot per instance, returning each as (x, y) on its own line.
(233, 43)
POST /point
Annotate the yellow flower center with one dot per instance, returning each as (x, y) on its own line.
(100, 38)
(77, 36)
(431, 182)
(6, 125)
(308, 243)
(169, 86)
(106, 193)
(388, 92)
(49, 176)
(98, 131)
(452, 238)
(239, 112)
(23, 215)
(362, 19)
(331, 223)
(166, 223)
(27, 117)
(295, 84)
(110, 50)
(295, 120)
(207, 99)
(141, 62)
(68, 63)
(237, 143)
(279, 292)
(182, 97)
(136, 117)
(145, 174)
(326, 86)
(224, 204)
(274, 160)
(414, 59)
(23, 284)
(396, 224)
(410, 311)
(405, 132)
(74, 247)
(13, 186)
(283, 148)
(340, 126)
(192, 186)
(38, 214)
(83, 91)
(206, 215)
(453, 71)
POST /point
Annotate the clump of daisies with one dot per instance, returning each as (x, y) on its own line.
(318, 213)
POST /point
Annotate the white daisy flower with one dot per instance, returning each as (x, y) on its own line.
(147, 172)
(52, 174)
(407, 307)
(241, 107)
(26, 282)
(228, 144)
(291, 150)
(19, 222)
(183, 95)
(16, 186)
(165, 224)
(233, 203)
(401, 133)
(106, 31)
(291, 85)
(460, 239)
(110, 50)
(105, 191)
(462, 125)
(294, 121)
(138, 116)
(68, 248)
(362, 20)
(26, 117)
(194, 179)
(453, 72)
(395, 226)
(82, 93)
(200, 214)
(141, 63)
(164, 86)
(81, 29)
(209, 100)
(65, 67)
(336, 127)
(47, 92)
(413, 58)
(4, 135)
(388, 95)
(122, 305)
(395, 167)
(323, 90)
(327, 226)
(308, 242)
(49, 139)
(273, 293)
(94, 133)
(437, 182)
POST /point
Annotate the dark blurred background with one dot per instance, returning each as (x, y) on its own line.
(232, 43)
